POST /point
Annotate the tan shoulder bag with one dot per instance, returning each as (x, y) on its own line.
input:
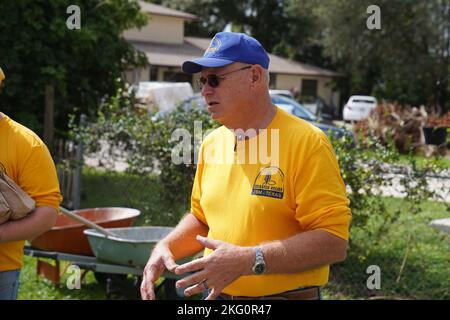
(14, 202)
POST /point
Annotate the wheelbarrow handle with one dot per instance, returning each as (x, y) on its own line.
(86, 222)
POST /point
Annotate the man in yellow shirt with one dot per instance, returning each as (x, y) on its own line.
(268, 203)
(27, 161)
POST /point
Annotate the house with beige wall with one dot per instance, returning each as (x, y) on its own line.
(163, 42)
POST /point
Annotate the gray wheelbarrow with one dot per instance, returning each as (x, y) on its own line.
(128, 246)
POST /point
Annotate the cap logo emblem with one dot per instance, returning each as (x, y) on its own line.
(213, 46)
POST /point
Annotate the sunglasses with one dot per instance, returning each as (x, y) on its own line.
(213, 80)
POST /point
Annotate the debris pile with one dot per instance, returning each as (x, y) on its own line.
(403, 125)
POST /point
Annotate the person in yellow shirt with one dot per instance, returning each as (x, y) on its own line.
(27, 161)
(268, 204)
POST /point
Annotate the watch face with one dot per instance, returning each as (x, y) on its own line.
(259, 268)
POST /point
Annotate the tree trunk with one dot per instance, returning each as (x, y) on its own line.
(49, 126)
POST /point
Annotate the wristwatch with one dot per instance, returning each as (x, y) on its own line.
(259, 267)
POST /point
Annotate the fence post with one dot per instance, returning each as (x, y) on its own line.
(76, 196)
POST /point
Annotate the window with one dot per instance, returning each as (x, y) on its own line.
(309, 88)
(363, 101)
(176, 76)
(153, 74)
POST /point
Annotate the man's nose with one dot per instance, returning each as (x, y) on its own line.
(207, 89)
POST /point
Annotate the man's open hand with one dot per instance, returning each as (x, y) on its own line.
(160, 260)
(225, 264)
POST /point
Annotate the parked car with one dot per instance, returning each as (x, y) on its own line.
(293, 107)
(321, 109)
(284, 93)
(358, 108)
(194, 101)
(289, 105)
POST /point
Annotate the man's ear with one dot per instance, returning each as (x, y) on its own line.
(256, 74)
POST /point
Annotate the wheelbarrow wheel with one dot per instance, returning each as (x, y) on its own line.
(170, 290)
(103, 277)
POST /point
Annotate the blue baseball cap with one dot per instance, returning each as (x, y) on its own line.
(226, 48)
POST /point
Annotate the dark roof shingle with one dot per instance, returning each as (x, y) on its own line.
(175, 54)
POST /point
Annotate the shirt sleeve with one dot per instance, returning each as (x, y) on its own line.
(320, 195)
(37, 176)
(196, 195)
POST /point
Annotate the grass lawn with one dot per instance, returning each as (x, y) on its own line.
(34, 287)
(105, 189)
(425, 273)
(442, 162)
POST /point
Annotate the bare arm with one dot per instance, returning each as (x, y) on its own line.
(303, 251)
(37, 222)
(298, 253)
(180, 243)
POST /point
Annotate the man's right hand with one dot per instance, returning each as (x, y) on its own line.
(160, 259)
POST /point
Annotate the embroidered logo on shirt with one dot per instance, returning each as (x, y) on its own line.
(269, 183)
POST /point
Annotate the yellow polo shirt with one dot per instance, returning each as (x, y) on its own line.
(293, 186)
(26, 160)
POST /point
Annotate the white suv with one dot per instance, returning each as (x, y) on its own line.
(359, 107)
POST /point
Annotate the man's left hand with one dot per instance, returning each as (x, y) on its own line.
(225, 264)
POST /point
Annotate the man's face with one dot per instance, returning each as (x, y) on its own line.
(226, 100)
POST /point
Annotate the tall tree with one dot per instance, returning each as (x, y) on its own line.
(282, 26)
(212, 14)
(38, 49)
(403, 60)
(406, 60)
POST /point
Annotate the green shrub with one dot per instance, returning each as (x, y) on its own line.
(145, 142)
(367, 169)
(384, 230)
